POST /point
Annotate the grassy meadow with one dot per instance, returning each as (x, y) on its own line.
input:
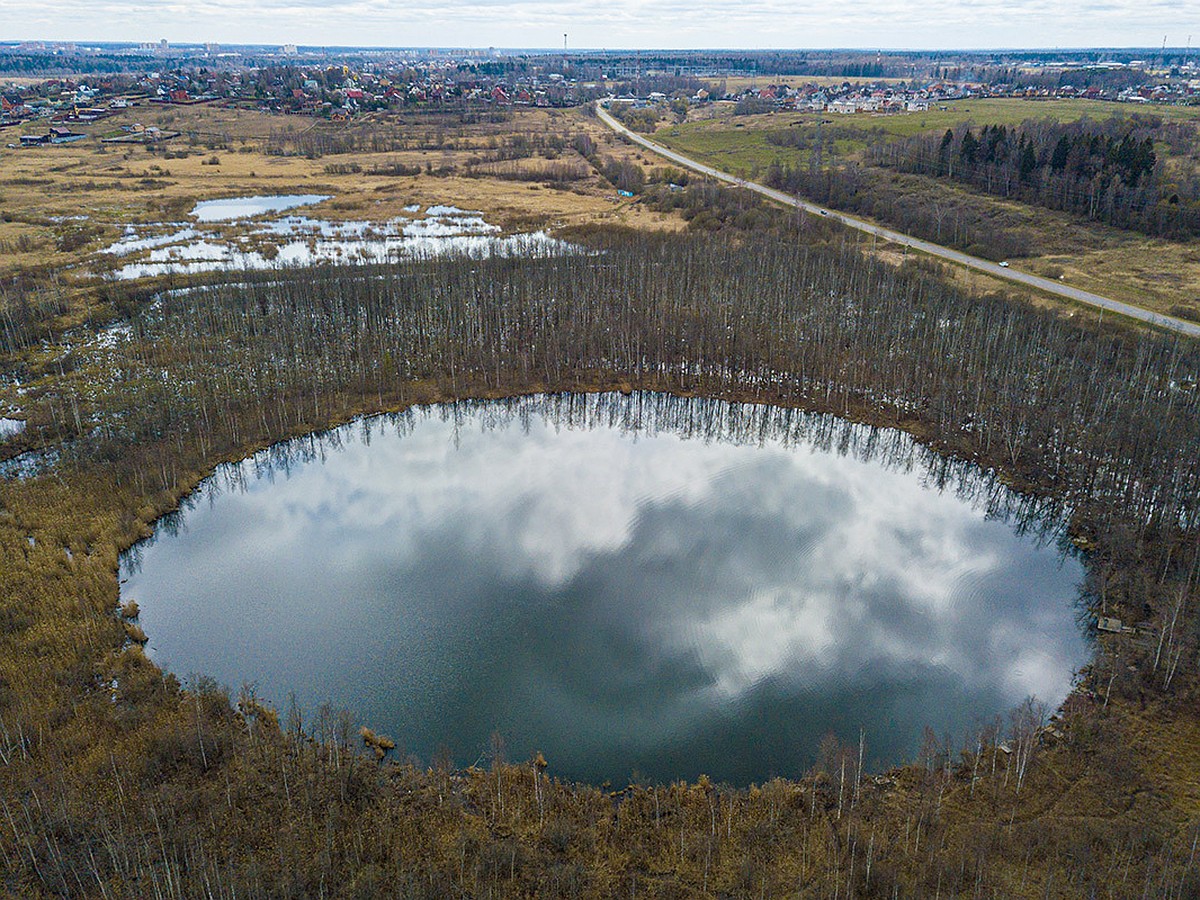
(1157, 274)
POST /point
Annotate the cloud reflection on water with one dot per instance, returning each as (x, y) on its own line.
(620, 600)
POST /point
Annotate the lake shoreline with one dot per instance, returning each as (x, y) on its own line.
(871, 504)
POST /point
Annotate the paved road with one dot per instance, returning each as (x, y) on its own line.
(1169, 323)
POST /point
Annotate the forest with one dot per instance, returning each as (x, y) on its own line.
(960, 221)
(1107, 171)
(120, 781)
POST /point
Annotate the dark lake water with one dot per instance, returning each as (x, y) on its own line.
(633, 584)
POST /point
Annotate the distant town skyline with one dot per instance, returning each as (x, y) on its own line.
(617, 24)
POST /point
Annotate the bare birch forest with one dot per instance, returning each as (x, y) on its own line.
(118, 781)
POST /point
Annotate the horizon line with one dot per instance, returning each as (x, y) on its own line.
(1154, 50)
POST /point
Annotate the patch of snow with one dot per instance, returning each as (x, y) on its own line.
(302, 253)
(114, 334)
(449, 226)
(299, 240)
(29, 464)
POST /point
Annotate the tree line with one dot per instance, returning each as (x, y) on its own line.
(904, 201)
(1107, 171)
(440, 132)
(817, 326)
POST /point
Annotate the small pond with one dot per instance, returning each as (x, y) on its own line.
(639, 584)
(233, 208)
(269, 240)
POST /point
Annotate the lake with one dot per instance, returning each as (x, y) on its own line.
(639, 585)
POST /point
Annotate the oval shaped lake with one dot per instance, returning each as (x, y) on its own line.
(640, 584)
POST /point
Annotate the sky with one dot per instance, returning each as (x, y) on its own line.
(673, 24)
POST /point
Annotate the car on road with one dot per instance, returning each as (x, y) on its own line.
(1004, 265)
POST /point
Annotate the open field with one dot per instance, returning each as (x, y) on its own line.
(1158, 274)
(44, 190)
(740, 140)
(988, 111)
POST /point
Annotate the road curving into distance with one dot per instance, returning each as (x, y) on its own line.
(1167, 323)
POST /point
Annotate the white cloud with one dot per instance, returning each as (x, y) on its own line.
(605, 579)
(620, 23)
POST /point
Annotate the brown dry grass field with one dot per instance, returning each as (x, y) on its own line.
(42, 189)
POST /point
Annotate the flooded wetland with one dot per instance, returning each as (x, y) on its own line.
(632, 585)
(247, 233)
(356, 453)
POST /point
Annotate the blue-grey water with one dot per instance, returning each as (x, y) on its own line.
(631, 585)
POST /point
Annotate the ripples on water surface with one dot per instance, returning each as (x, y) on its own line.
(628, 584)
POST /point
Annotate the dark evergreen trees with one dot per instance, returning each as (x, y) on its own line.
(1107, 171)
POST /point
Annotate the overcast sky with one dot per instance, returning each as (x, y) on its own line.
(933, 24)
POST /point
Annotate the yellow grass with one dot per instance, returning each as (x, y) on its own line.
(115, 185)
